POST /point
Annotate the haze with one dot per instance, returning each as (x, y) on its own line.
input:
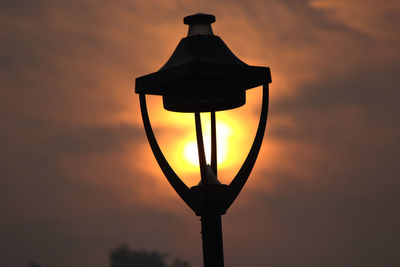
(77, 177)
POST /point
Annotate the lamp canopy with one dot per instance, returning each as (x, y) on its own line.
(202, 74)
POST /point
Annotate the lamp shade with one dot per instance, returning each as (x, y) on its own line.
(202, 74)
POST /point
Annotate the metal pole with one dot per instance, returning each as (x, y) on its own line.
(211, 232)
(213, 144)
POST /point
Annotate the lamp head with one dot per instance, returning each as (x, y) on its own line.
(202, 74)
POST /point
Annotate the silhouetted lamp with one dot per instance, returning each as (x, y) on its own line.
(203, 75)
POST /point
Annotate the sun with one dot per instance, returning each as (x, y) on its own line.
(190, 151)
(177, 138)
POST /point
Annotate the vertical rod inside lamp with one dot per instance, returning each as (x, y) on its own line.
(200, 148)
(213, 144)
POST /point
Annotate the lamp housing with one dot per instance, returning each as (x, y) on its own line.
(202, 74)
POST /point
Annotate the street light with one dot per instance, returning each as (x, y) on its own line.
(203, 75)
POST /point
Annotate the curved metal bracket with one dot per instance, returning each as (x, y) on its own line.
(241, 177)
(179, 186)
(191, 196)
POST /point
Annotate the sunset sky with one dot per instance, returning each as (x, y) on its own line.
(77, 176)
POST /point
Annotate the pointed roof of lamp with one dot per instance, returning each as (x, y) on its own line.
(202, 56)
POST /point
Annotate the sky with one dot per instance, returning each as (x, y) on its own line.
(77, 177)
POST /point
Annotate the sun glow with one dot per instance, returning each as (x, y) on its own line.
(177, 137)
(232, 145)
(190, 148)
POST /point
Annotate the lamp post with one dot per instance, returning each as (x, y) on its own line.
(203, 75)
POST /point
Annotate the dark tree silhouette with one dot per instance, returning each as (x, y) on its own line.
(179, 263)
(123, 256)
